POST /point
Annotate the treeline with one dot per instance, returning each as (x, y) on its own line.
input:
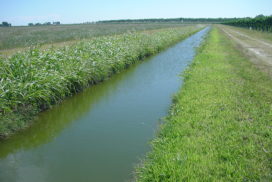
(260, 22)
(170, 20)
(5, 24)
(46, 23)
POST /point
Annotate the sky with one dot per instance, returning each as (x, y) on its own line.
(22, 12)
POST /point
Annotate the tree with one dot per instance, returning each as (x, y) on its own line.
(47, 23)
(30, 24)
(6, 24)
(260, 16)
(56, 23)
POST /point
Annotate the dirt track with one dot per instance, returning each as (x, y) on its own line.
(258, 50)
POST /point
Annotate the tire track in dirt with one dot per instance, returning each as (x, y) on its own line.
(259, 51)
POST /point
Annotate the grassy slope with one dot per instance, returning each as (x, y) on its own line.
(32, 81)
(219, 127)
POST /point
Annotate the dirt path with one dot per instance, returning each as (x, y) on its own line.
(258, 50)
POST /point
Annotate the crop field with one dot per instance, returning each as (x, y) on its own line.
(145, 100)
(34, 80)
(15, 37)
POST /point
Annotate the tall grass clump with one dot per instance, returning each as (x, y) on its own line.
(33, 80)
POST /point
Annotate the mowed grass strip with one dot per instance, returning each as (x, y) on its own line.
(220, 125)
(34, 80)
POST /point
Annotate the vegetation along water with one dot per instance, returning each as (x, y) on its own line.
(101, 133)
(219, 126)
(14, 37)
(33, 80)
(115, 91)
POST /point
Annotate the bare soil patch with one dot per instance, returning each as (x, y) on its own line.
(258, 50)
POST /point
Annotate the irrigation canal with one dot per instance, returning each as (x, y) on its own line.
(100, 134)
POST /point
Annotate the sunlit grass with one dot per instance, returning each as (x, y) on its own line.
(34, 80)
(14, 37)
(220, 125)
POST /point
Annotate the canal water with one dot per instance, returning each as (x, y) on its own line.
(101, 134)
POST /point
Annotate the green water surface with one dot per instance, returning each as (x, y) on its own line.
(100, 134)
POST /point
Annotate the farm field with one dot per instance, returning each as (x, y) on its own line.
(20, 37)
(219, 126)
(95, 130)
(34, 80)
(144, 99)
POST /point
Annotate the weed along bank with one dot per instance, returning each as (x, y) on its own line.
(98, 129)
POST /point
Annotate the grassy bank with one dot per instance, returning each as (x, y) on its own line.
(32, 81)
(219, 127)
